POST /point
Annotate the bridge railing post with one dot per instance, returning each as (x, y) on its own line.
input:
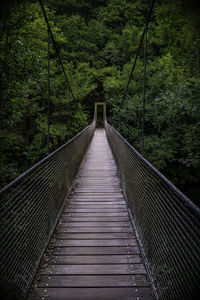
(96, 115)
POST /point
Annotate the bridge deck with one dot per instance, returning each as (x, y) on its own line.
(94, 253)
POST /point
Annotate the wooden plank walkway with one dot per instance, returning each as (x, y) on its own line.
(94, 253)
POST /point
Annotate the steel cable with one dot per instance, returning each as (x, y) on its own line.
(59, 57)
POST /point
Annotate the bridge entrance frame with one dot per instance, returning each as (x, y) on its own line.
(96, 113)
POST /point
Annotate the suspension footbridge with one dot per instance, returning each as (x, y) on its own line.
(94, 253)
(98, 222)
(95, 220)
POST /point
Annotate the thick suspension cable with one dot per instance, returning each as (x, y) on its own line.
(138, 51)
(58, 54)
(56, 48)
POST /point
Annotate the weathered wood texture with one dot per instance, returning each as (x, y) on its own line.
(94, 252)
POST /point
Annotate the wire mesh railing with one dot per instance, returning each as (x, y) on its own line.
(167, 223)
(30, 207)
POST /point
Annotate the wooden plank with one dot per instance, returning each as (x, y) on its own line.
(93, 269)
(87, 236)
(97, 191)
(107, 183)
(96, 198)
(95, 229)
(121, 293)
(115, 188)
(99, 174)
(97, 181)
(100, 201)
(97, 201)
(95, 204)
(93, 219)
(95, 250)
(64, 223)
(95, 243)
(91, 184)
(95, 210)
(95, 214)
(97, 177)
(99, 195)
(99, 171)
(92, 281)
(98, 208)
(110, 194)
(93, 259)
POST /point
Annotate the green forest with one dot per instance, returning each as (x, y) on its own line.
(97, 42)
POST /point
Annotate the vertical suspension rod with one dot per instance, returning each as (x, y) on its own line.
(48, 96)
(144, 89)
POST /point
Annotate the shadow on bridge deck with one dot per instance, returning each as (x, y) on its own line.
(94, 253)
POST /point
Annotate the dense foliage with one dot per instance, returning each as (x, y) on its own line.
(98, 41)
